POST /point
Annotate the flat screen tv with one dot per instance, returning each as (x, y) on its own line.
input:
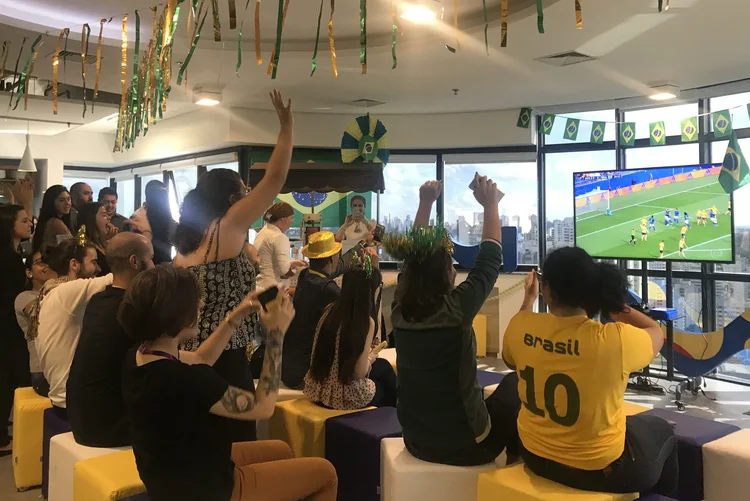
(657, 214)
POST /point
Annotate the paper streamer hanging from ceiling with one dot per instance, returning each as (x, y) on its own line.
(123, 84)
(579, 15)
(217, 21)
(34, 55)
(317, 40)
(394, 34)
(55, 69)
(486, 25)
(192, 49)
(85, 33)
(258, 55)
(331, 42)
(232, 15)
(98, 64)
(24, 80)
(273, 64)
(504, 24)
(239, 40)
(455, 22)
(4, 57)
(150, 82)
(540, 16)
(132, 112)
(15, 72)
(363, 35)
(65, 54)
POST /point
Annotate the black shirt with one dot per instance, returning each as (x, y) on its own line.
(101, 259)
(12, 284)
(181, 450)
(96, 411)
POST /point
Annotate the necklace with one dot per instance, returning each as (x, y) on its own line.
(143, 350)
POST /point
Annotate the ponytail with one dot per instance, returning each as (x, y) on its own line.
(608, 288)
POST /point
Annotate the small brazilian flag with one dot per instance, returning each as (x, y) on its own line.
(734, 170)
(524, 118)
(656, 134)
(689, 128)
(597, 132)
(722, 123)
(547, 122)
(627, 134)
(571, 129)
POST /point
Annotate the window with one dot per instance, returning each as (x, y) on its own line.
(658, 156)
(95, 183)
(687, 300)
(740, 213)
(732, 299)
(464, 216)
(147, 179)
(670, 115)
(235, 166)
(737, 106)
(584, 129)
(126, 197)
(559, 191)
(185, 180)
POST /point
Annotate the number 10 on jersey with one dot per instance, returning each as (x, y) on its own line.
(550, 386)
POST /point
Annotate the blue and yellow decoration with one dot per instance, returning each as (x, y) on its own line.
(365, 141)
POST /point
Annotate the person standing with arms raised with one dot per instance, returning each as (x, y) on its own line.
(211, 240)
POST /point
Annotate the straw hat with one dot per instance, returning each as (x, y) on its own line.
(321, 245)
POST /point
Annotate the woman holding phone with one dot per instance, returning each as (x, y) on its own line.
(356, 227)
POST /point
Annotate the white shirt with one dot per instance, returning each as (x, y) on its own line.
(273, 253)
(364, 228)
(60, 320)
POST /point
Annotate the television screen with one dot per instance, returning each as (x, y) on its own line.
(665, 213)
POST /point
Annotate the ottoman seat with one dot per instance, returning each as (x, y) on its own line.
(112, 477)
(28, 432)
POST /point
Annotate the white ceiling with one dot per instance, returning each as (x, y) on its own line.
(696, 43)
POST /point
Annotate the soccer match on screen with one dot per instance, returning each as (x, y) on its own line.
(673, 213)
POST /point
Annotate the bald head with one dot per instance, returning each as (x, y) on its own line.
(128, 252)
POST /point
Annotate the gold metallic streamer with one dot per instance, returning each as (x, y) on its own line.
(217, 21)
(85, 33)
(232, 15)
(331, 42)
(55, 68)
(65, 55)
(258, 55)
(124, 84)
(579, 15)
(98, 63)
(455, 23)
(31, 70)
(274, 61)
(23, 82)
(6, 51)
(504, 24)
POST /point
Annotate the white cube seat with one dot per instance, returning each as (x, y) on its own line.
(726, 463)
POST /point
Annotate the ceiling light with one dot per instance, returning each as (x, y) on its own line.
(664, 92)
(421, 12)
(27, 160)
(206, 97)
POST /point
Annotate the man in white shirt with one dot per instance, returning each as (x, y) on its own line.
(60, 318)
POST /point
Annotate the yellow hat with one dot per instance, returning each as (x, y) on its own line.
(321, 245)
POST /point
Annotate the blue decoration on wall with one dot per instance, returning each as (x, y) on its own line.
(305, 199)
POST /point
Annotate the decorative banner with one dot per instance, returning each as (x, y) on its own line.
(24, 79)
(722, 123)
(394, 22)
(84, 50)
(547, 123)
(232, 15)
(4, 55)
(579, 15)
(363, 35)
(273, 64)
(98, 64)
(504, 23)
(524, 118)
(192, 49)
(15, 72)
(331, 42)
(734, 170)
(571, 129)
(627, 134)
(217, 21)
(597, 132)
(539, 16)
(55, 66)
(365, 140)
(689, 128)
(486, 25)
(656, 134)
(258, 55)
(317, 40)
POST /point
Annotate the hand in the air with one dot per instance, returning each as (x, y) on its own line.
(140, 224)
(430, 191)
(23, 191)
(531, 285)
(286, 117)
(486, 191)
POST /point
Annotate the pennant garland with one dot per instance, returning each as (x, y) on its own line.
(524, 118)
(734, 170)
(331, 42)
(317, 41)
(273, 64)
(84, 50)
(363, 35)
(548, 121)
(486, 25)
(4, 56)
(689, 129)
(571, 129)
(627, 134)
(656, 134)
(15, 72)
(504, 23)
(394, 22)
(23, 80)
(579, 15)
(98, 64)
(597, 132)
(539, 17)
(722, 123)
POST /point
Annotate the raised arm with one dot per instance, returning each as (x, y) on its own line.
(245, 212)
(428, 194)
(641, 321)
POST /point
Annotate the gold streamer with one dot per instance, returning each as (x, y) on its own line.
(84, 49)
(273, 53)
(504, 24)
(217, 22)
(55, 68)
(232, 15)
(28, 77)
(258, 55)
(98, 63)
(331, 42)
(455, 24)
(123, 81)
(579, 15)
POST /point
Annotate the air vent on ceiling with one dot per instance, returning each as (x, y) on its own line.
(74, 57)
(565, 58)
(366, 103)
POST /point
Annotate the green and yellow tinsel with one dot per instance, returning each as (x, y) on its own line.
(418, 244)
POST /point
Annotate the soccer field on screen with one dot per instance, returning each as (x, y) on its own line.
(607, 236)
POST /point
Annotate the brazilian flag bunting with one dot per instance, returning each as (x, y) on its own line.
(547, 123)
(656, 134)
(597, 132)
(571, 129)
(524, 118)
(689, 128)
(627, 134)
(722, 123)
(734, 170)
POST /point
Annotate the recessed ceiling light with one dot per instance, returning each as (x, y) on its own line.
(422, 12)
(206, 97)
(664, 92)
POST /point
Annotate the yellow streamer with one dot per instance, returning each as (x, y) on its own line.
(273, 54)
(98, 63)
(455, 24)
(124, 84)
(258, 55)
(55, 66)
(504, 24)
(579, 14)
(331, 42)
(84, 46)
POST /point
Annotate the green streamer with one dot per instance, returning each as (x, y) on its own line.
(133, 95)
(217, 21)
(65, 52)
(24, 74)
(277, 49)
(539, 16)
(192, 50)
(170, 43)
(393, 40)
(661, 5)
(15, 71)
(486, 25)
(239, 40)
(317, 40)
(158, 75)
(363, 35)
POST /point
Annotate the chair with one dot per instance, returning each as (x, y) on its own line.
(112, 477)
(726, 463)
(28, 431)
(53, 426)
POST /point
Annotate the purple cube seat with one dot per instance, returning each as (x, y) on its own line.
(487, 378)
(692, 434)
(353, 447)
(53, 425)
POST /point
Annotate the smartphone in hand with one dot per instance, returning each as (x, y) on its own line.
(267, 297)
(379, 233)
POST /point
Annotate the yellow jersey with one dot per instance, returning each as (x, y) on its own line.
(643, 223)
(643, 228)
(572, 373)
(661, 247)
(684, 230)
(729, 204)
(716, 211)
(682, 244)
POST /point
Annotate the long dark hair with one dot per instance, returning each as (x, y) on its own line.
(8, 216)
(208, 201)
(575, 280)
(350, 316)
(422, 286)
(48, 212)
(87, 217)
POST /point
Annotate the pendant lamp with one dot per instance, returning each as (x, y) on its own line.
(27, 160)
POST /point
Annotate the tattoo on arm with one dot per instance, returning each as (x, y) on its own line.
(271, 376)
(237, 401)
